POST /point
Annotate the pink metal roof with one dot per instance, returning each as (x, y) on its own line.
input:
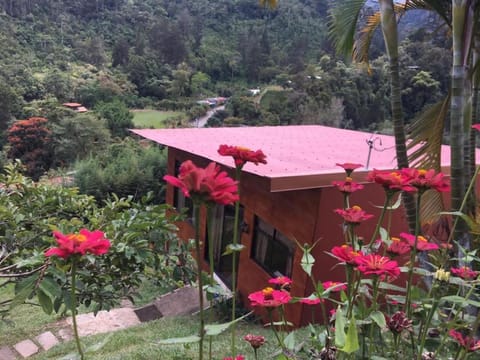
(309, 152)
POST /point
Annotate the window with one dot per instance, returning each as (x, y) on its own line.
(271, 249)
(180, 201)
(223, 224)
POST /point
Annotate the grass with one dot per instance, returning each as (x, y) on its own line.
(141, 342)
(154, 118)
(24, 321)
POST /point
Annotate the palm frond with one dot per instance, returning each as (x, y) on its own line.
(425, 135)
(362, 44)
(343, 23)
(441, 7)
(272, 4)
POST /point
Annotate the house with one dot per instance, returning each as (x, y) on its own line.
(286, 202)
(77, 107)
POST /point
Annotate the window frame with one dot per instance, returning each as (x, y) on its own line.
(273, 240)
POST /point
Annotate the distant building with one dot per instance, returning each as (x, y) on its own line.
(75, 107)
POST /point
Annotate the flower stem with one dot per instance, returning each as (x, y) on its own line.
(196, 211)
(210, 219)
(238, 172)
(388, 196)
(270, 316)
(74, 308)
(413, 255)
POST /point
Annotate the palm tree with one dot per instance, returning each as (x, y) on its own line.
(345, 15)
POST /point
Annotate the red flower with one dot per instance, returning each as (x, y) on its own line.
(464, 272)
(348, 186)
(255, 341)
(391, 180)
(280, 280)
(209, 184)
(354, 215)
(469, 343)
(242, 155)
(84, 242)
(334, 286)
(424, 180)
(349, 167)
(398, 247)
(346, 254)
(269, 297)
(311, 300)
(377, 265)
(422, 242)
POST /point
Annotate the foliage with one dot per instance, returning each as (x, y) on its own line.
(142, 236)
(119, 118)
(30, 141)
(78, 136)
(126, 168)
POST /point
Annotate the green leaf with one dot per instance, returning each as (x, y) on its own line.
(340, 337)
(307, 261)
(231, 248)
(289, 341)
(383, 234)
(379, 319)
(182, 340)
(217, 329)
(98, 346)
(454, 299)
(50, 288)
(387, 286)
(45, 301)
(351, 344)
(23, 290)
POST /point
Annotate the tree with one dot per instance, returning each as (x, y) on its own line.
(30, 141)
(345, 16)
(118, 116)
(78, 136)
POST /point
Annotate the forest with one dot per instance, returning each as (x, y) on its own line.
(112, 56)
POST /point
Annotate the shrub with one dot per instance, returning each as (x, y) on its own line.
(125, 169)
(30, 141)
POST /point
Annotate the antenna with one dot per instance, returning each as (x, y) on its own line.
(371, 144)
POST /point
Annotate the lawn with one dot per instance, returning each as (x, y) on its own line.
(155, 118)
(141, 342)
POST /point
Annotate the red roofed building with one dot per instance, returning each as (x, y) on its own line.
(289, 200)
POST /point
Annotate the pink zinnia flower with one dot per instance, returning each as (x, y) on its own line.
(354, 215)
(207, 184)
(464, 272)
(349, 167)
(398, 247)
(334, 286)
(467, 342)
(424, 180)
(269, 297)
(93, 242)
(373, 264)
(348, 186)
(346, 253)
(242, 155)
(255, 341)
(311, 300)
(280, 280)
(476, 127)
(391, 181)
(422, 242)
